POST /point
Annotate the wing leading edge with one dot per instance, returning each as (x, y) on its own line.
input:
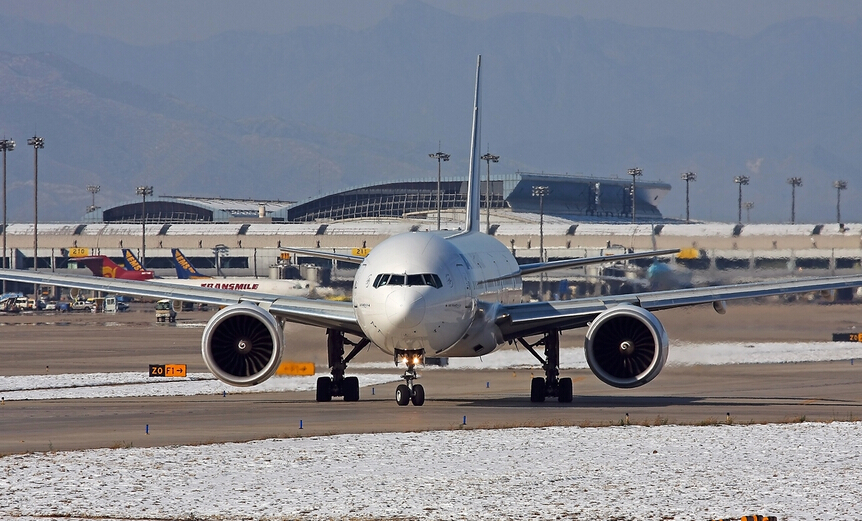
(321, 313)
(515, 320)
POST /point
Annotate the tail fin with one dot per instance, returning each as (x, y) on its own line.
(102, 266)
(473, 185)
(130, 262)
(185, 270)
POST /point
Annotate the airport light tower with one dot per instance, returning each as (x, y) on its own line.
(489, 158)
(740, 180)
(839, 185)
(36, 142)
(439, 156)
(540, 192)
(687, 177)
(93, 189)
(748, 206)
(144, 191)
(793, 182)
(635, 173)
(6, 145)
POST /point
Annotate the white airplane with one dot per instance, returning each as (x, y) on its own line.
(442, 294)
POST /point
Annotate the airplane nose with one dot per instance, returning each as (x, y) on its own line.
(405, 308)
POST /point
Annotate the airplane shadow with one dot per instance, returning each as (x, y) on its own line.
(649, 402)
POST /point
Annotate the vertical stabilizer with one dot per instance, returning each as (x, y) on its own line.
(473, 185)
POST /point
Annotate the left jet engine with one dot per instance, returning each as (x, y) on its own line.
(242, 344)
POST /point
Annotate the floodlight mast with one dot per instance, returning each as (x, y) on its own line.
(541, 191)
(740, 180)
(635, 173)
(489, 158)
(687, 177)
(839, 185)
(793, 182)
(144, 191)
(439, 156)
(6, 145)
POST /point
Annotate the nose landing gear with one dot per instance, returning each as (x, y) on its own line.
(408, 391)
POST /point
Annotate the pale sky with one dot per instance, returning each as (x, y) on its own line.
(161, 21)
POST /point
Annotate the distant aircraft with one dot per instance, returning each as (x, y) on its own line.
(102, 266)
(442, 294)
(130, 262)
(184, 267)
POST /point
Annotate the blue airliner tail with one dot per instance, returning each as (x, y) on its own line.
(130, 262)
(185, 270)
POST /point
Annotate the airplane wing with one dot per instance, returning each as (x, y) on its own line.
(321, 313)
(343, 257)
(515, 320)
(537, 267)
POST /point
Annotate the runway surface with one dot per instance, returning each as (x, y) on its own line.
(457, 399)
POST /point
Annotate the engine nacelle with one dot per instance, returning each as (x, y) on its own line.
(242, 344)
(626, 346)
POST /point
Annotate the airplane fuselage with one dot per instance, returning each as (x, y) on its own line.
(432, 291)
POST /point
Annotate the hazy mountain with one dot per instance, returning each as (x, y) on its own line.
(321, 108)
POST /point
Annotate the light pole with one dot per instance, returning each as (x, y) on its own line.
(6, 145)
(36, 142)
(489, 158)
(439, 156)
(687, 177)
(748, 206)
(793, 182)
(839, 185)
(144, 191)
(218, 251)
(541, 192)
(635, 173)
(93, 189)
(740, 180)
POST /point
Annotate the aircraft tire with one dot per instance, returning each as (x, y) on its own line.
(402, 395)
(418, 397)
(565, 390)
(537, 390)
(324, 389)
(351, 389)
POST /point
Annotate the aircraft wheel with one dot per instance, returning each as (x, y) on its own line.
(537, 390)
(324, 389)
(351, 389)
(565, 390)
(418, 397)
(402, 395)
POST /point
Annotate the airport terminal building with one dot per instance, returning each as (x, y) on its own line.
(575, 197)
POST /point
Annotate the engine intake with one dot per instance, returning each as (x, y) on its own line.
(626, 346)
(242, 344)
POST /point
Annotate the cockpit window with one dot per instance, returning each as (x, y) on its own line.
(420, 279)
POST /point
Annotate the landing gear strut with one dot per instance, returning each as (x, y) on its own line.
(408, 391)
(338, 384)
(551, 385)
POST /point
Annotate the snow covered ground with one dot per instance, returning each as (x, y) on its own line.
(792, 471)
(797, 471)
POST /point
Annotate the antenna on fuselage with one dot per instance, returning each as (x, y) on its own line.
(473, 186)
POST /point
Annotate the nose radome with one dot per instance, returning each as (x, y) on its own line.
(405, 307)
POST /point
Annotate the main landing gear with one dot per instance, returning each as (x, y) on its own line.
(551, 385)
(408, 391)
(338, 384)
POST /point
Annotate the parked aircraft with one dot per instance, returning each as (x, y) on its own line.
(102, 266)
(443, 294)
(184, 267)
